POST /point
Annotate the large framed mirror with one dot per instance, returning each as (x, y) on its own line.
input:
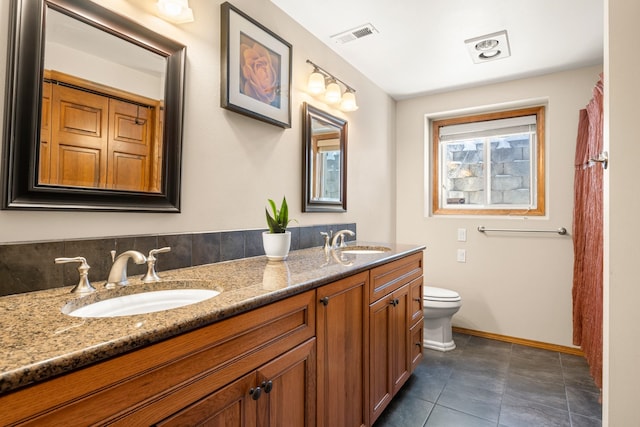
(325, 161)
(94, 107)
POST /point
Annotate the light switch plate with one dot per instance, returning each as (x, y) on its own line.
(462, 234)
(461, 256)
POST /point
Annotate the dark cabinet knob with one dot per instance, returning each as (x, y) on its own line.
(255, 393)
(325, 301)
(267, 386)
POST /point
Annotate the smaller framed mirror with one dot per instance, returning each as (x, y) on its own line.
(324, 182)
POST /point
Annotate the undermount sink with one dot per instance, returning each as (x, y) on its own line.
(141, 303)
(364, 249)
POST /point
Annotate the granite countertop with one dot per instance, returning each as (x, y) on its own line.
(38, 341)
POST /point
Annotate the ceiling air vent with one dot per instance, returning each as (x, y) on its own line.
(354, 34)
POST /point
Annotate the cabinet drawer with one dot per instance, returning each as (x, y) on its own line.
(417, 334)
(156, 381)
(416, 300)
(389, 277)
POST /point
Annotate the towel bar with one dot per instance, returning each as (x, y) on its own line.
(561, 231)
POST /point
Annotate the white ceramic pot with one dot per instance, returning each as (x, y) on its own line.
(276, 245)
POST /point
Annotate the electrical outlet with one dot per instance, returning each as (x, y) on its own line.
(462, 234)
(461, 256)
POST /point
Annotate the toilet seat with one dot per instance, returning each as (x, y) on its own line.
(432, 293)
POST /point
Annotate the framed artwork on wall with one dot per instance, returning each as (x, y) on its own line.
(255, 70)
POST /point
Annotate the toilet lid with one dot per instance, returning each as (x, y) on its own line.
(439, 294)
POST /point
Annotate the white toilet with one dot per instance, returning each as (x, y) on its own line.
(439, 307)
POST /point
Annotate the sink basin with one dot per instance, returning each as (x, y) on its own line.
(364, 249)
(145, 302)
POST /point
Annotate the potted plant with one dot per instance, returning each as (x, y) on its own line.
(277, 240)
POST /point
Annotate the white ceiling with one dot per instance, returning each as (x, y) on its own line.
(420, 45)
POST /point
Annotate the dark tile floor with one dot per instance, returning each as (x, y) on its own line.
(492, 383)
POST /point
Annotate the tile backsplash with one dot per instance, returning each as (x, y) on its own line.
(26, 267)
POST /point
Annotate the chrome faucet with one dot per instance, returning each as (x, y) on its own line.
(118, 273)
(340, 235)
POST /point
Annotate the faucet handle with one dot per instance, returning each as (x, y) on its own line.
(151, 275)
(152, 252)
(83, 286)
(327, 239)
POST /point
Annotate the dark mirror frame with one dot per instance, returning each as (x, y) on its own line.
(25, 59)
(309, 113)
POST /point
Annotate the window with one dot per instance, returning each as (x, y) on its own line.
(489, 164)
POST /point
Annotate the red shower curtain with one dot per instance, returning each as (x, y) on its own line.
(587, 235)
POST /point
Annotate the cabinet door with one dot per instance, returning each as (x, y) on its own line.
(232, 406)
(342, 368)
(390, 351)
(289, 388)
(380, 354)
(401, 363)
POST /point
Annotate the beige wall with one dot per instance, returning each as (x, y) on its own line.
(515, 285)
(232, 163)
(621, 375)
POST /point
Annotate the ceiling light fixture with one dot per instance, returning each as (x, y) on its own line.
(489, 54)
(321, 82)
(487, 44)
(176, 11)
(489, 47)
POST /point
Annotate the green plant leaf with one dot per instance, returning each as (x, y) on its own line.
(271, 222)
(284, 213)
(277, 222)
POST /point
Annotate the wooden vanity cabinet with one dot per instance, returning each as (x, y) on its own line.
(332, 356)
(281, 393)
(218, 365)
(395, 318)
(342, 331)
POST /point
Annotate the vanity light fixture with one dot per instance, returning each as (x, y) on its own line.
(176, 11)
(349, 101)
(316, 84)
(333, 94)
(489, 47)
(321, 82)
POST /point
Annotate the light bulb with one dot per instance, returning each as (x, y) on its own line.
(333, 93)
(349, 101)
(176, 11)
(315, 85)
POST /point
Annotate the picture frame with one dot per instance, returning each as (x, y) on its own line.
(255, 75)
